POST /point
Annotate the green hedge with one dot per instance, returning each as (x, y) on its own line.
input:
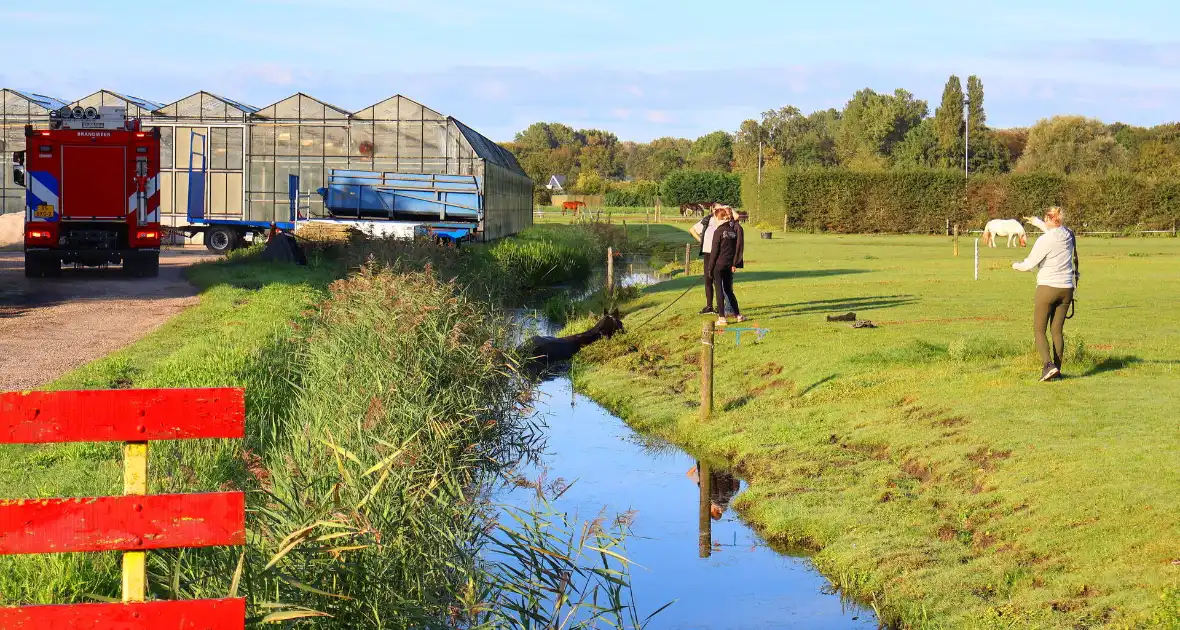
(837, 200)
(701, 187)
(640, 194)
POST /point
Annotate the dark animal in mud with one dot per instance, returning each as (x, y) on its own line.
(548, 350)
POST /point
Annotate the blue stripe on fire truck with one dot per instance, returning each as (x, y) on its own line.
(42, 191)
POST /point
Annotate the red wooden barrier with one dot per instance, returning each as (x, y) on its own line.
(132, 523)
(200, 614)
(122, 415)
(125, 523)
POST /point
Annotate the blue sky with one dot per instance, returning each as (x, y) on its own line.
(639, 68)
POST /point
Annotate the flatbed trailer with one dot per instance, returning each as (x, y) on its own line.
(444, 208)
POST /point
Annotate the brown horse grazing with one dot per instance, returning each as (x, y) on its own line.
(549, 350)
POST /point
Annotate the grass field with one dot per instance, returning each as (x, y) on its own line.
(933, 474)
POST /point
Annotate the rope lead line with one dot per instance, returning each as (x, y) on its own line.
(649, 320)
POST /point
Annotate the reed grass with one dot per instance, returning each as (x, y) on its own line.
(381, 409)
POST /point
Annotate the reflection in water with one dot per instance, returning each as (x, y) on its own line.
(734, 580)
(716, 491)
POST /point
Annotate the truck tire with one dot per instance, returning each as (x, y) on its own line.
(33, 265)
(40, 266)
(141, 264)
(221, 240)
(131, 264)
(151, 265)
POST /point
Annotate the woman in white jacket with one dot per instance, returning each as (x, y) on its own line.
(1054, 254)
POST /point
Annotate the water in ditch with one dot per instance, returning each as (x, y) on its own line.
(691, 548)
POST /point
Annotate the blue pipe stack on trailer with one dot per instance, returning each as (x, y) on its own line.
(403, 196)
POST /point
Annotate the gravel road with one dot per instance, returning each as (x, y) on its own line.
(52, 325)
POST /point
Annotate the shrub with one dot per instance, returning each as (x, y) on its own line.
(839, 200)
(639, 194)
(682, 187)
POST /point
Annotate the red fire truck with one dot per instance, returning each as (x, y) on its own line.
(91, 192)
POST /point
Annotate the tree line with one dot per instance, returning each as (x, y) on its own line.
(591, 159)
(874, 131)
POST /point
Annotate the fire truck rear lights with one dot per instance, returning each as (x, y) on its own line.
(141, 135)
(147, 235)
(39, 234)
(45, 133)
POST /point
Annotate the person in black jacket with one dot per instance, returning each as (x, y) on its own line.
(729, 243)
(703, 232)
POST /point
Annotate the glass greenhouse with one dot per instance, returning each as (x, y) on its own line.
(249, 152)
(18, 109)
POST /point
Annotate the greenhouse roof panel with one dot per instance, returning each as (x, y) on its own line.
(207, 105)
(141, 103)
(398, 107)
(300, 106)
(248, 109)
(48, 102)
(135, 105)
(487, 149)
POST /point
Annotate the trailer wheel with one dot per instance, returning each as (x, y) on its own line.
(221, 240)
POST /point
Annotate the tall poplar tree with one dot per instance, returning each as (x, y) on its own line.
(976, 118)
(948, 118)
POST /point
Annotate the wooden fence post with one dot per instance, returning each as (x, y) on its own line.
(784, 223)
(704, 517)
(687, 253)
(610, 271)
(135, 470)
(976, 259)
(956, 240)
(707, 331)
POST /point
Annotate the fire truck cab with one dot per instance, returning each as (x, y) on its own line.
(91, 192)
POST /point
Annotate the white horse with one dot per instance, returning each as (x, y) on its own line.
(1004, 227)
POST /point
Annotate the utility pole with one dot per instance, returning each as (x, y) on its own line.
(759, 157)
(966, 136)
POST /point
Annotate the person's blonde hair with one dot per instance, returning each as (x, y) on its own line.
(1055, 213)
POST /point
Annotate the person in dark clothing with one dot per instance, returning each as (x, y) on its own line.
(704, 232)
(729, 243)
